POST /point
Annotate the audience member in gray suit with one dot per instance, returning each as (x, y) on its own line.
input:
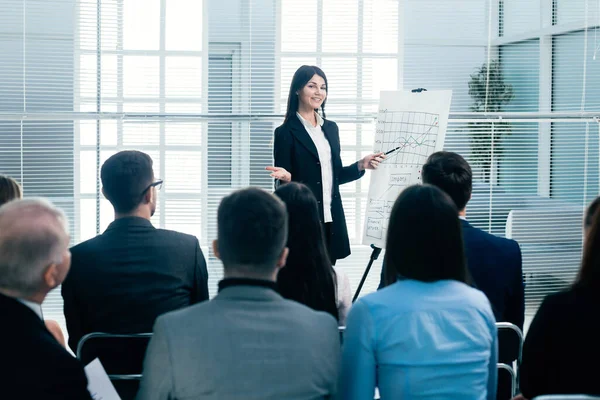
(248, 342)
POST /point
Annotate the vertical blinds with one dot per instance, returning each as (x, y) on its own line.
(200, 86)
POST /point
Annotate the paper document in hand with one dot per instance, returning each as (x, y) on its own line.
(410, 127)
(99, 385)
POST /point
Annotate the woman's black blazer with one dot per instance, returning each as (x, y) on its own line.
(295, 151)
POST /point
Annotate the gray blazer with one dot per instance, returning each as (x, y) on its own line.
(247, 343)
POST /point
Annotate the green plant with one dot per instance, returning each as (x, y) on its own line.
(490, 94)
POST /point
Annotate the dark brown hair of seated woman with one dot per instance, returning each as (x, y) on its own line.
(9, 189)
(308, 276)
(589, 273)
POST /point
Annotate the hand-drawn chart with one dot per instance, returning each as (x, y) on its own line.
(409, 136)
(410, 127)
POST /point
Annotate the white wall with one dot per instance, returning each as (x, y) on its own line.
(445, 21)
(521, 16)
(445, 42)
(569, 11)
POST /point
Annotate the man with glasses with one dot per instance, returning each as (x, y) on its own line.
(123, 279)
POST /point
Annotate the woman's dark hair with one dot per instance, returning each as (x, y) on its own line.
(589, 213)
(9, 189)
(300, 79)
(308, 276)
(589, 273)
(424, 240)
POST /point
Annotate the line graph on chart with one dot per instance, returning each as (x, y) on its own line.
(409, 128)
(408, 136)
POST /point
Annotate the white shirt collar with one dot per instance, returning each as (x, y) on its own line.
(462, 217)
(320, 120)
(35, 307)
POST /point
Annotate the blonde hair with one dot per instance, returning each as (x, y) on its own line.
(9, 189)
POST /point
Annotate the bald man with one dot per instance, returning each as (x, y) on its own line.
(34, 259)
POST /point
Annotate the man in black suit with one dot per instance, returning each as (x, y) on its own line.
(494, 263)
(34, 259)
(123, 279)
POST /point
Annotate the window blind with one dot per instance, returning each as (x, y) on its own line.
(356, 43)
(201, 85)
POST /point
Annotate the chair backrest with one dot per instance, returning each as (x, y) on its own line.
(510, 343)
(566, 397)
(507, 382)
(122, 355)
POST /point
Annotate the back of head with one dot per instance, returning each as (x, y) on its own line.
(452, 173)
(125, 176)
(424, 239)
(589, 273)
(252, 231)
(304, 224)
(9, 189)
(308, 276)
(33, 235)
(589, 213)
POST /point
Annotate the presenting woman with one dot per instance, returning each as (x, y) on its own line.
(307, 150)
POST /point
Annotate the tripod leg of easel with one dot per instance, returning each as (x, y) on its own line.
(374, 256)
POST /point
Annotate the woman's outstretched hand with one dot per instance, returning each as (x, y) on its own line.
(371, 161)
(280, 173)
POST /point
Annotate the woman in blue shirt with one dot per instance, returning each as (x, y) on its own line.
(428, 335)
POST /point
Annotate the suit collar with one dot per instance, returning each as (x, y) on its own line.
(248, 293)
(303, 137)
(464, 223)
(298, 130)
(129, 221)
(12, 305)
(35, 307)
(318, 117)
(229, 282)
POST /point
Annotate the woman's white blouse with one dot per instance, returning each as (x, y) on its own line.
(324, 151)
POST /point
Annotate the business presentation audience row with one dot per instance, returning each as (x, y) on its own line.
(429, 333)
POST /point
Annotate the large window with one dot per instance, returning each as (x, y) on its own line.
(144, 58)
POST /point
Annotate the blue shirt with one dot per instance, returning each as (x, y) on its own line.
(417, 340)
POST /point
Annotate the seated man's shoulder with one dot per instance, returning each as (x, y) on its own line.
(174, 236)
(199, 311)
(496, 242)
(294, 315)
(46, 349)
(87, 246)
(303, 315)
(47, 362)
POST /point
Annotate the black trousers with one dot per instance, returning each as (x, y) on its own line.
(327, 230)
